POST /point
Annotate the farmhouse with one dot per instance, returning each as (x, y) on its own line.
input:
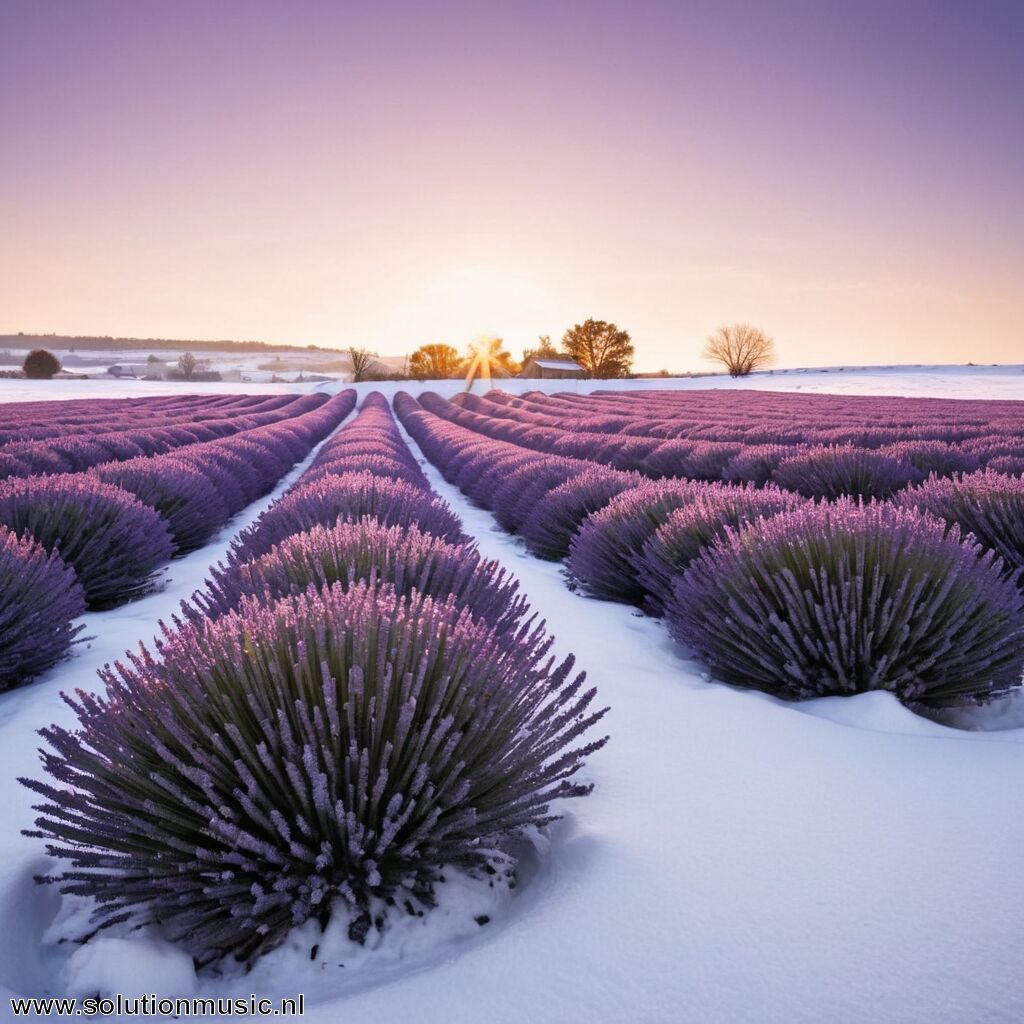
(552, 369)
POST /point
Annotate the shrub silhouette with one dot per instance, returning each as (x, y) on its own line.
(40, 364)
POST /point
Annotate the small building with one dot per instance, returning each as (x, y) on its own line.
(134, 371)
(552, 369)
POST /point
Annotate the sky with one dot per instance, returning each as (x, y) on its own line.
(847, 176)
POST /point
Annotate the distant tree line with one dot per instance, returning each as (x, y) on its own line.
(439, 361)
(87, 343)
(599, 347)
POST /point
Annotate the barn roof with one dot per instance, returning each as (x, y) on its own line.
(558, 364)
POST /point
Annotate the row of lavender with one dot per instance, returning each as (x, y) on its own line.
(763, 417)
(119, 429)
(72, 541)
(774, 590)
(33, 421)
(357, 703)
(869, 461)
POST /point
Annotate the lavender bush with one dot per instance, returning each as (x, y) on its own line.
(841, 598)
(185, 497)
(39, 598)
(482, 474)
(236, 480)
(515, 497)
(602, 551)
(353, 552)
(834, 471)
(309, 758)
(371, 442)
(938, 457)
(209, 461)
(350, 496)
(378, 465)
(1011, 465)
(756, 463)
(550, 524)
(988, 504)
(697, 525)
(113, 542)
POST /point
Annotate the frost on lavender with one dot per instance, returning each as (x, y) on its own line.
(113, 542)
(987, 503)
(697, 525)
(350, 553)
(39, 598)
(307, 758)
(844, 598)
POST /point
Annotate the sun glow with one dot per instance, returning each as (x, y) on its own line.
(484, 361)
(480, 300)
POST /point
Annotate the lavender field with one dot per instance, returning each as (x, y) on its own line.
(615, 702)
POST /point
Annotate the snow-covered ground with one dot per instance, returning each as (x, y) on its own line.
(17, 390)
(1005, 381)
(740, 859)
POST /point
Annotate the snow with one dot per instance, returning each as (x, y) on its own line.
(740, 859)
(132, 967)
(1004, 381)
(18, 390)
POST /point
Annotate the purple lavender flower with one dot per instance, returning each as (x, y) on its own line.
(113, 542)
(347, 497)
(756, 463)
(554, 518)
(39, 598)
(184, 497)
(523, 487)
(367, 551)
(987, 504)
(301, 759)
(837, 470)
(697, 525)
(602, 551)
(841, 598)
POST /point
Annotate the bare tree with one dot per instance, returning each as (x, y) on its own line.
(740, 348)
(362, 363)
(187, 364)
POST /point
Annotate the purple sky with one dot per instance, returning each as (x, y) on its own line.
(847, 175)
